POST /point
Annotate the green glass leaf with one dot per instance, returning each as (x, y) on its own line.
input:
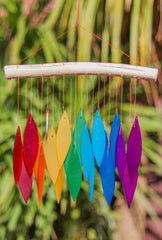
(79, 130)
(74, 174)
(67, 159)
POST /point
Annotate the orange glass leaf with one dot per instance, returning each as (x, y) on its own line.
(37, 159)
(41, 175)
(30, 143)
(25, 182)
(63, 138)
(17, 155)
(51, 155)
(59, 185)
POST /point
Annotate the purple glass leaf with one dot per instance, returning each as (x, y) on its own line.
(107, 173)
(120, 154)
(128, 186)
(134, 150)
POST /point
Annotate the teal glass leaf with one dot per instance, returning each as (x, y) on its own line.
(67, 159)
(74, 174)
(79, 130)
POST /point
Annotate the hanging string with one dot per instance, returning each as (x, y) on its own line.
(53, 99)
(121, 110)
(86, 97)
(18, 97)
(81, 93)
(104, 99)
(78, 30)
(26, 96)
(31, 96)
(116, 97)
(109, 101)
(63, 92)
(98, 92)
(135, 96)
(37, 103)
(42, 107)
(71, 89)
(47, 111)
(75, 95)
(59, 98)
(92, 99)
(130, 109)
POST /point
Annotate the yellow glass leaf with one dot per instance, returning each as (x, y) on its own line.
(59, 185)
(63, 138)
(51, 155)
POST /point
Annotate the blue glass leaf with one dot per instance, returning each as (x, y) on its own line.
(79, 130)
(86, 152)
(120, 154)
(107, 174)
(98, 138)
(91, 180)
(113, 137)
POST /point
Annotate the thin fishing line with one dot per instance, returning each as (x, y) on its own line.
(42, 106)
(116, 96)
(26, 95)
(109, 101)
(63, 92)
(59, 97)
(104, 99)
(98, 92)
(18, 99)
(31, 95)
(92, 99)
(81, 93)
(34, 52)
(71, 88)
(53, 100)
(130, 109)
(121, 110)
(87, 98)
(37, 103)
(96, 36)
(78, 30)
(135, 98)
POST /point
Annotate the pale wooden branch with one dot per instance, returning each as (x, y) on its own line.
(80, 68)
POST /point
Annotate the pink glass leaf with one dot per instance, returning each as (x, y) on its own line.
(120, 154)
(31, 144)
(134, 150)
(17, 155)
(128, 186)
(25, 183)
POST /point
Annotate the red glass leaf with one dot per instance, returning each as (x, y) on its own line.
(31, 144)
(134, 150)
(17, 155)
(41, 174)
(25, 183)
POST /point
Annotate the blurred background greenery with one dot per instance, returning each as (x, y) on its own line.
(135, 26)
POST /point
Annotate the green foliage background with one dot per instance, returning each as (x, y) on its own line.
(130, 25)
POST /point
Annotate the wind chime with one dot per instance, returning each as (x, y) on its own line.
(74, 149)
